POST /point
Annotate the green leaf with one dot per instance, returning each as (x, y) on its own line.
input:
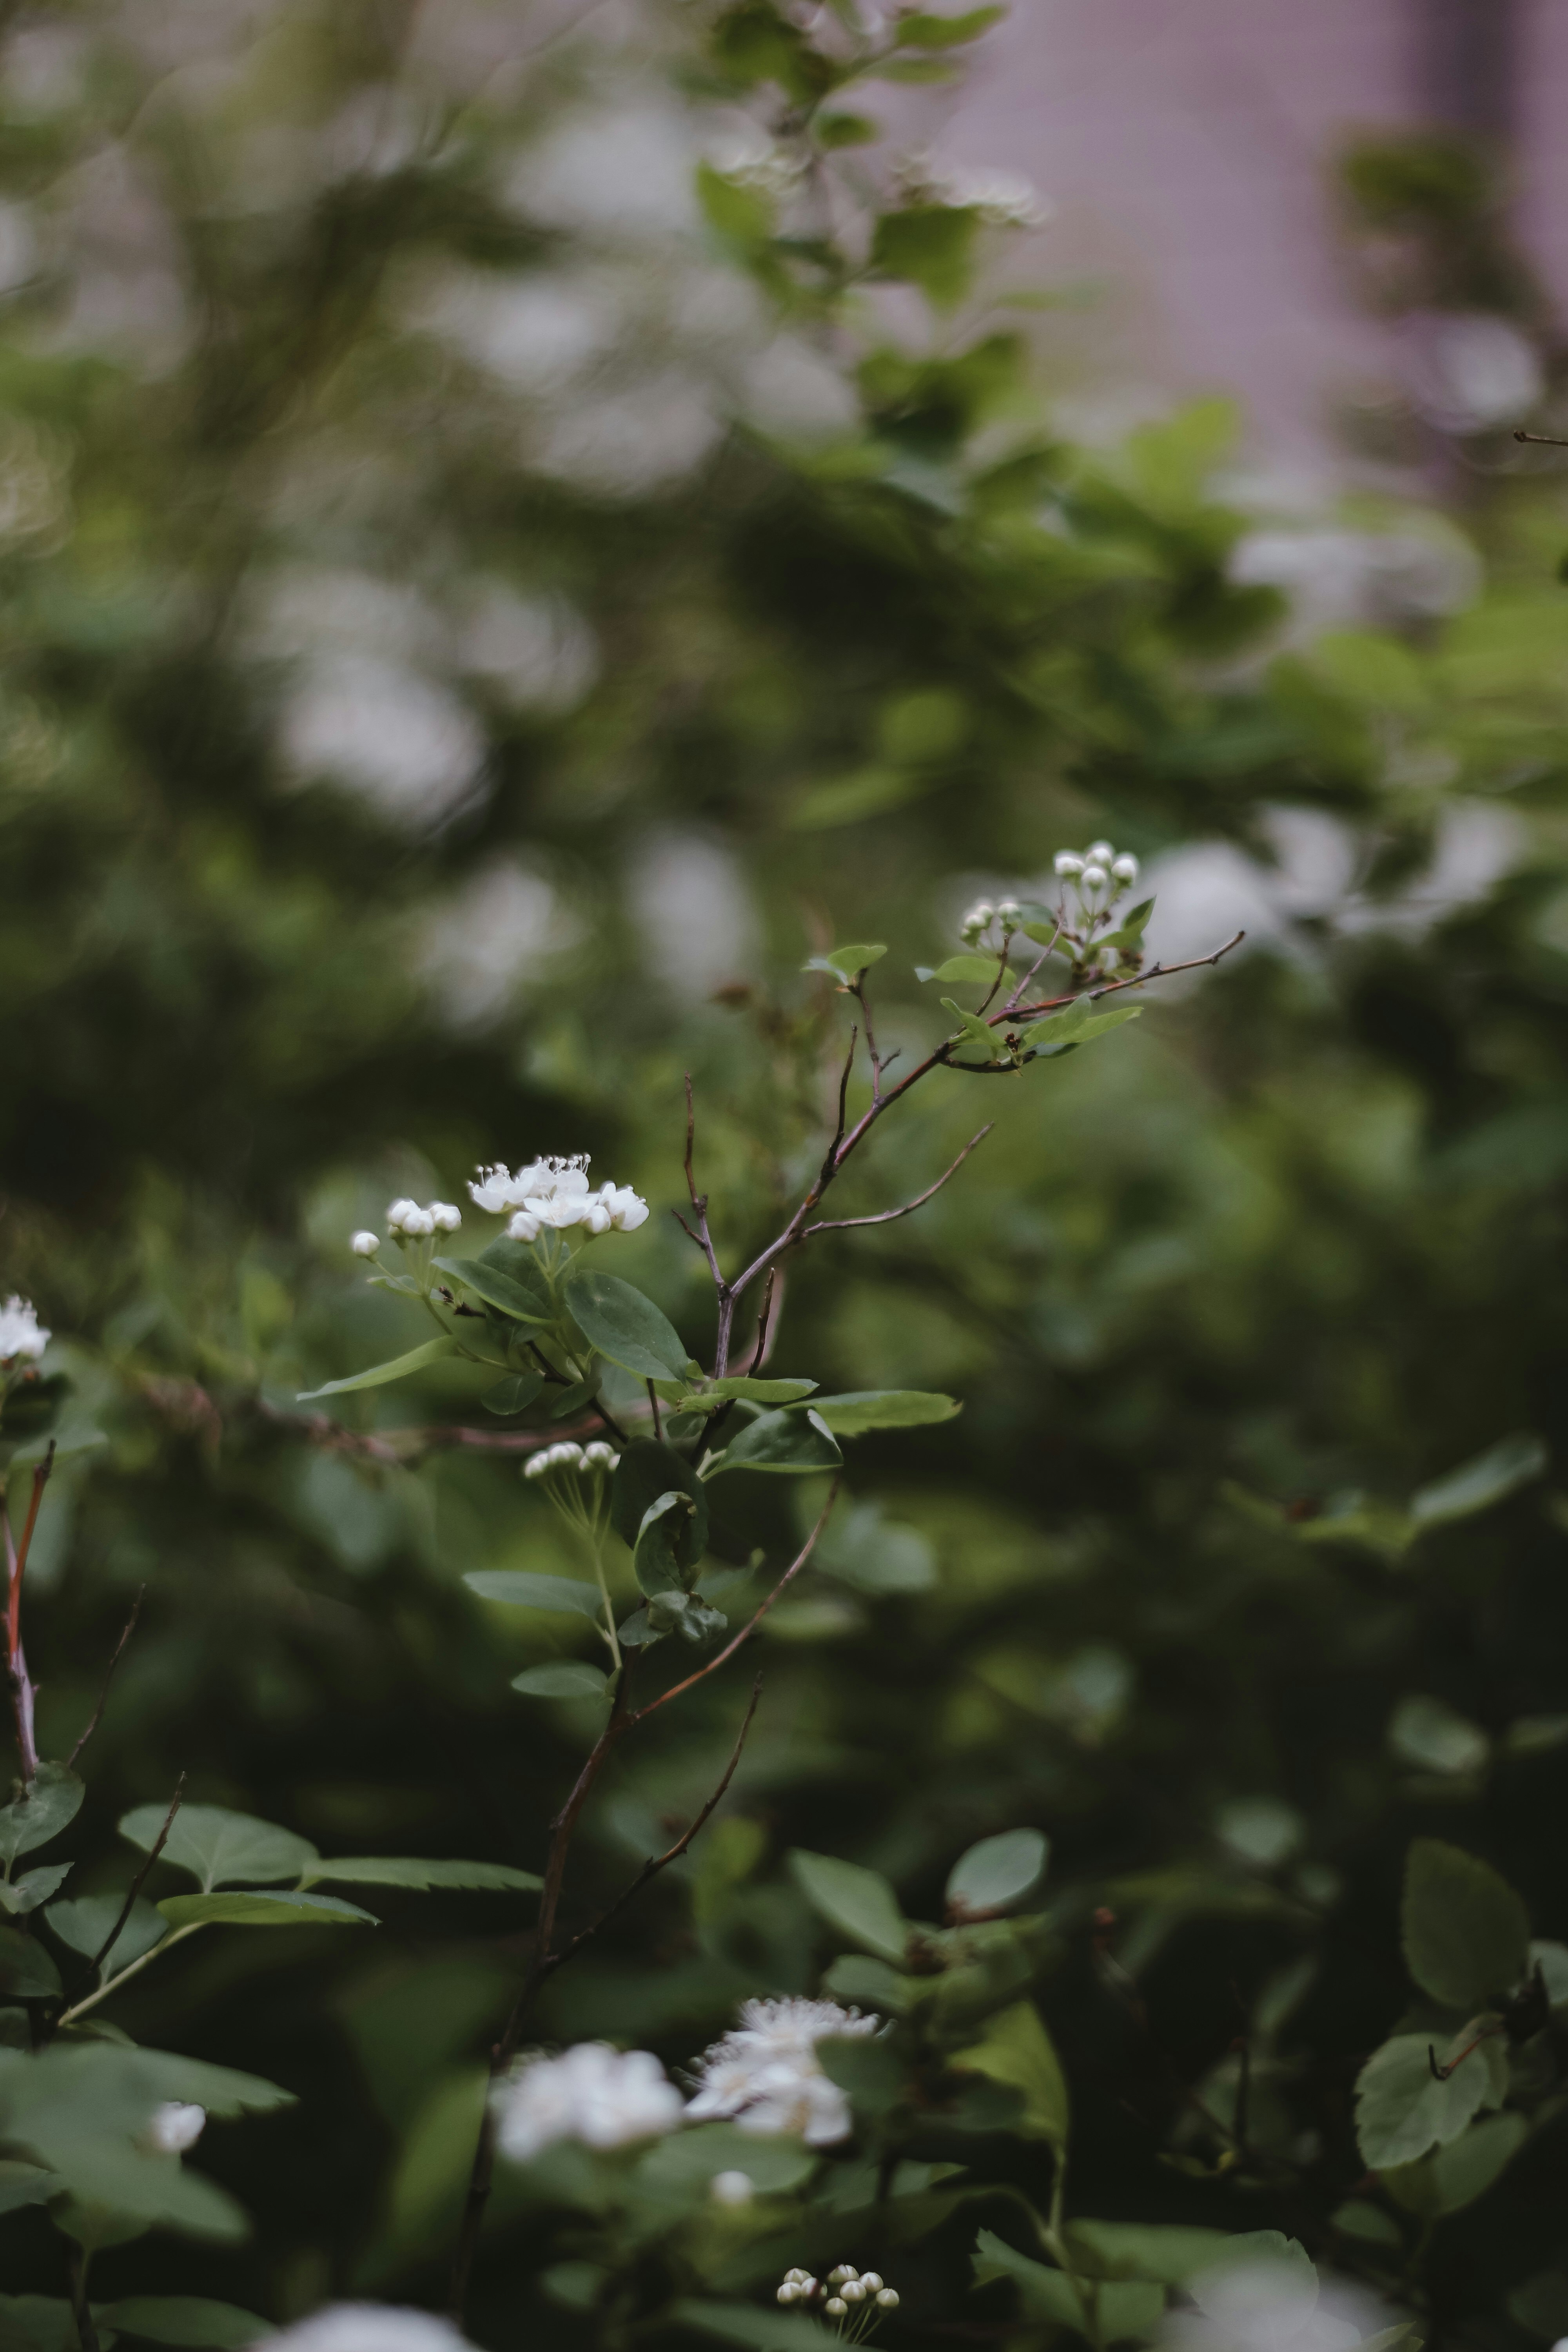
(625, 1326)
(925, 31)
(50, 1804)
(1401, 2109)
(1016, 2049)
(1165, 2252)
(1425, 1732)
(719, 1392)
(862, 1982)
(520, 1301)
(390, 1870)
(1078, 1025)
(564, 1678)
(998, 1873)
(24, 2184)
(36, 2323)
(979, 1032)
(1128, 936)
(664, 1541)
(184, 2319)
(514, 1395)
(929, 246)
(26, 1971)
(248, 1907)
(791, 1442)
(846, 963)
(33, 1886)
(859, 1903)
(220, 1848)
(648, 1469)
(1500, 1471)
(1455, 2175)
(378, 1376)
(868, 2068)
(521, 1587)
(1465, 1932)
(841, 130)
(686, 2160)
(757, 2329)
(1116, 2311)
(982, 971)
(862, 1410)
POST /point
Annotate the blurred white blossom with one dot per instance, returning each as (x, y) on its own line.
(1469, 371)
(592, 2092)
(175, 2126)
(369, 2327)
(764, 2073)
(21, 1333)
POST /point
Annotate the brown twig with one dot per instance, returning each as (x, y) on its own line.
(749, 1627)
(658, 1862)
(1543, 440)
(132, 1891)
(888, 1216)
(97, 1716)
(653, 1408)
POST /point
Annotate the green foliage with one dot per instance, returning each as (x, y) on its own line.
(1465, 1932)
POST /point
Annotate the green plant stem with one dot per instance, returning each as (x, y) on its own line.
(81, 2310)
(80, 2008)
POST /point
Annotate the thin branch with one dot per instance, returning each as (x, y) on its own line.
(887, 1216)
(859, 992)
(132, 1891)
(1011, 1004)
(1114, 987)
(653, 1408)
(97, 1716)
(748, 1628)
(829, 1164)
(652, 1867)
(1543, 440)
(702, 1237)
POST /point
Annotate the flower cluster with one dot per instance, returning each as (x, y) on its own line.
(859, 2296)
(765, 2073)
(552, 1195)
(175, 2126)
(565, 1455)
(21, 1333)
(603, 2096)
(1098, 874)
(982, 914)
(1002, 199)
(407, 1221)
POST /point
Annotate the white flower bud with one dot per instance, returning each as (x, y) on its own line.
(835, 2306)
(1099, 853)
(852, 2291)
(599, 1456)
(789, 2292)
(1069, 865)
(538, 1464)
(1094, 877)
(871, 2282)
(844, 2270)
(444, 1217)
(887, 2299)
(797, 2278)
(1125, 867)
(977, 918)
(524, 1227)
(364, 1244)
(1009, 909)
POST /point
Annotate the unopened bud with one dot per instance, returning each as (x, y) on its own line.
(789, 2293)
(853, 2292)
(1125, 867)
(364, 1244)
(871, 2282)
(835, 2306)
(1009, 909)
(887, 2299)
(1094, 877)
(1099, 853)
(844, 2270)
(1069, 865)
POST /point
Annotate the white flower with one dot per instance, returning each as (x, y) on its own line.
(406, 1221)
(599, 1456)
(1009, 909)
(736, 2189)
(524, 1227)
(1125, 867)
(364, 1244)
(1003, 199)
(174, 2127)
(765, 2073)
(627, 1209)
(21, 1333)
(1094, 877)
(1069, 865)
(370, 2327)
(1099, 853)
(605, 2097)
(444, 1217)
(887, 2299)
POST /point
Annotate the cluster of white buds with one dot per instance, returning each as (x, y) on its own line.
(1002, 199)
(553, 1195)
(584, 1459)
(406, 1221)
(752, 160)
(1008, 912)
(21, 1333)
(859, 2296)
(1098, 872)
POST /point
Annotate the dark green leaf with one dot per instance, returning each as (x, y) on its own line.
(377, 1377)
(1165, 2252)
(24, 2184)
(565, 1678)
(243, 1907)
(625, 1326)
(521, 1587)
(757, 2329)
(1465, 1931)
(220, 1848)
(862, 1410)
(389, 1870)
(520, 1301)
(930, 245)
(1078, 1025)
(664, 1543)
(1403, 2109)
(647, 1470)
(718, 1393)
(50, 1804)
(564, 1403)
(1016, 2050)
(184, 2319)
(792, 1442)
(514, 1395)
(998, 1873)
(33, 1886)
(36, 2323)
(1128, 936)
(26, 1971)
(686, 2160)
(859, 1903)
(864, 2066)
(1453, 2176)
(847, 131)
(1492, 1476)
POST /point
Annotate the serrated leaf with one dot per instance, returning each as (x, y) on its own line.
(623, 1326)
(859, 1903)
(252, 1907)
(847, 964)
(50, 1804)
(521, 1588)
(1403, 2109)
(998, 1873)
(522, 1301)
(1491, 1476)
(791, 1443)
(563, 1678)
(184, 2319)
(647, 1470)
(395, 1870)
(220, 1848)
(398, 1369)
(1465, 1932)
(84, 1921)
(862, 1410)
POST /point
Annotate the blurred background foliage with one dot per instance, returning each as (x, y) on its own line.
(479, 608)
